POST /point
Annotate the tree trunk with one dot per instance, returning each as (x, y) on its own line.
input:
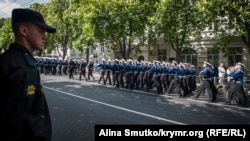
(178, 55)
(64, 52)
(87, 54)
(124, 49)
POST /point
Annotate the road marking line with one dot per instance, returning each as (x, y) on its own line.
(117, 107)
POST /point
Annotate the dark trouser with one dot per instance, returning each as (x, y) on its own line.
(116, 78)
(46, 70)
(167, 82)
(129, 80)
(149, 81)
(236, 92)
(42, 69)
(170, 78)
(136, 80)
(102, 77)
(214, 90)
(157, 83)
(59, 70)
(113, 77)
(205, 85)
(121, 78)
(163, 80)
(108, 77)
(54, 70)
(193, 83)
(71, 76)
(82, 73)
(90, 73)
(189, 84)
(65, 70)
(141, 75)
(184, 85)
(175, 84)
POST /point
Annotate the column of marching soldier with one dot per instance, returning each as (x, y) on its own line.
(132, 74)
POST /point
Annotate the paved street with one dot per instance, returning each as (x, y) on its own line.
(76, 106)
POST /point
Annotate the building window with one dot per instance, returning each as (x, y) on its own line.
(211, 27)
(162, 55)
(140, 58)
(213, 56)
(189, 55)
(189, 58)
(102, 48)
(235, 56)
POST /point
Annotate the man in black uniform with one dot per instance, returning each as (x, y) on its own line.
(90, 70)
(83, 66)
(71, 69)
(24, 112)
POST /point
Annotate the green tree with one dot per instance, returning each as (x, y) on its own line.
(122, 24)
(58, 15)
(83, 36)
(231, 19)
(2, 21)
(177, 20)
(6, 34)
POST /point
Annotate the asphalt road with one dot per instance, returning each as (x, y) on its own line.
(77, 106)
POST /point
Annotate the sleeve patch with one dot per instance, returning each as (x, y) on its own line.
(30, 88)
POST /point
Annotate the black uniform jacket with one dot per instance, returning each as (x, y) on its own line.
(24, 112)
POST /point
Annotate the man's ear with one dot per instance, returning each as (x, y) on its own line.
(23, 30)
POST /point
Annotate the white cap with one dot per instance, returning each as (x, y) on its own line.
(243, 65)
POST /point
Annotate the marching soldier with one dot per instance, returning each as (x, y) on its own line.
(41, 62)
(108, 72)
(206, 83)
(163, 75)
(65, 66)
(141, 71)
(102, 67)
(129, 74)
(148, 76)
(193, 78)
(156, 73)
(60, 63)
(54, 65)
(184, 80)
(90, 69)
(77, 66)
(116, 70)
(71, 69)
(122, 72)
(176, 81)
(136, 78)
(236, 90)
(46, 66)
(83, 66)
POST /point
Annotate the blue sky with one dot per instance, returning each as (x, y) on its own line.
(6, 6)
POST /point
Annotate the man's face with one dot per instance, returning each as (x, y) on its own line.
(36, 37)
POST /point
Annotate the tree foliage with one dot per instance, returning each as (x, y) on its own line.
(177, 20)
(231, 19)
(6, 34)
(121, 24)
(127, 25)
